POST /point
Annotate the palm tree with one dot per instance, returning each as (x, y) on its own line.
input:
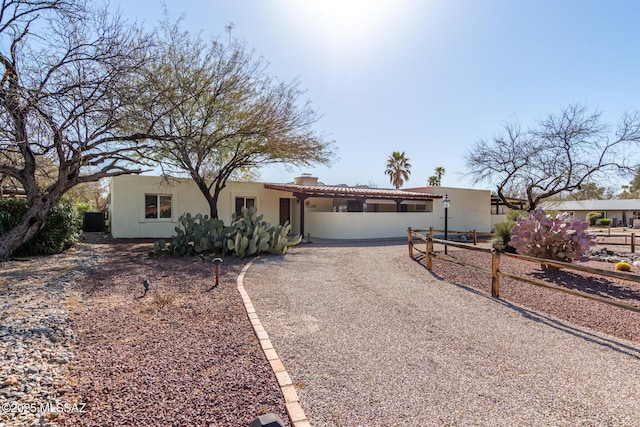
(433, 180)
(439, 174)
(398, 168)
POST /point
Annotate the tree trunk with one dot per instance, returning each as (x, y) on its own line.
(32, 222)
(213, 205)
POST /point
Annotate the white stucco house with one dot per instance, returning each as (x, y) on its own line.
(149, 207)
(623, 212)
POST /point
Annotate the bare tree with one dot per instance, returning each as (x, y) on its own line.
(561, 154)
(228, 115)
(69, 93)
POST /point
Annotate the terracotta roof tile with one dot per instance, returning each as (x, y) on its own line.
(340, 191)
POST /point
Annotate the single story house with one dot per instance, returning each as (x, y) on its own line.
(623, 212)
(149, 207)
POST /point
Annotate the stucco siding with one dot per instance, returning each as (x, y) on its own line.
(132, 209)
(363, 225)
(469, 210)
(127, 204)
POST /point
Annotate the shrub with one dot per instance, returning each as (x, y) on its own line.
(502, 231)
(623, 266)
(605, 222)
(83, 207)
(60, 231)
(11, 212)
(513, 215)
(592, 217)
(560, 238)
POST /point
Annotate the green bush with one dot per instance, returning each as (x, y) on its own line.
(513, 215)
(502, 231)
(605, 222)
(60, 231)
(592, 217)
(11, 212)
(83, 207)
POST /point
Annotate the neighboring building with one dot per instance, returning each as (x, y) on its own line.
(623, 212)
(10, 191)
(147, 206)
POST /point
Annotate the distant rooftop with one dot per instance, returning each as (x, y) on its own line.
(594, 205)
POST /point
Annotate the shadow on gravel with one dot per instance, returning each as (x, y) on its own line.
(592, 285)
(618, 346)
(359, 243)
(537, 317)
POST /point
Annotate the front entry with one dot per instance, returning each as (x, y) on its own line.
(285, 211)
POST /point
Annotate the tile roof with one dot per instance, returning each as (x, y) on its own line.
(343, 192)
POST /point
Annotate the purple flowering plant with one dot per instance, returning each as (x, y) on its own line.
(558, 238)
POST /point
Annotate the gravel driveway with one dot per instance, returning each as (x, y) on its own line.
(370, 337)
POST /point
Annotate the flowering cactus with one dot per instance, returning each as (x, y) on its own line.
(560, 238)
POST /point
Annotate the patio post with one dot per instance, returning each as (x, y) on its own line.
(301, 198)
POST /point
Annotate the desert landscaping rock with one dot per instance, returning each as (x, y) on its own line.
(368, 336)
(76, 337)
(36, 336)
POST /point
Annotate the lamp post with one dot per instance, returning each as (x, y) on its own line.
(446, 202)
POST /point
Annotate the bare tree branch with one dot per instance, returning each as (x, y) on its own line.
(69, 102)
(228, 114)
(561, 154)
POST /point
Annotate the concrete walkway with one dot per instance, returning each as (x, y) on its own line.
(370, 338)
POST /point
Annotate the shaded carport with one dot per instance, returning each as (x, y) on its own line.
(360, 194)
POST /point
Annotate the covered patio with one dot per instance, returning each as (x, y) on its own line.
(368, 207)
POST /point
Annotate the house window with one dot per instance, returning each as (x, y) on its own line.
(157, 206)
(244, 202)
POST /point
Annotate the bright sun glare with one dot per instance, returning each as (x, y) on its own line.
(346, 26)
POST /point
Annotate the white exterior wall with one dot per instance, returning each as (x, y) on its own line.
(495, 219)
(364, 225)
(126, 209)
(469, 209)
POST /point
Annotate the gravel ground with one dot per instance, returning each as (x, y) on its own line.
(182, 355)
(370, 337)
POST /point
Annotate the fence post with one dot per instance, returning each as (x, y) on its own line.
(609, 230)
(410, 239)
(428, 254)
(633, 243)
(475, 238)
(495, 278)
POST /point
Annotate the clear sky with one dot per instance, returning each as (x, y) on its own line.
(428, 77)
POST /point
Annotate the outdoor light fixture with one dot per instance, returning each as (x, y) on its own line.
(217, 262)
(267, 420)
(446, 202)
(146, 284)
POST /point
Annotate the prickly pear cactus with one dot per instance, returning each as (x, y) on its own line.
(557, 238)
(247, 235)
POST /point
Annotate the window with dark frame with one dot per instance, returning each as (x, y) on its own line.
(157, 206)
(244, 202)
